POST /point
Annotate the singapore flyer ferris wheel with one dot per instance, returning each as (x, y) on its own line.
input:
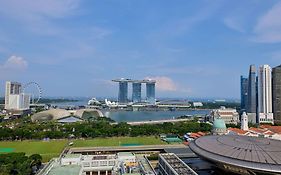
(34, 90)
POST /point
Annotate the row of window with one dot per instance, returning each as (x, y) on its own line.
(264, 119)
(98, 163)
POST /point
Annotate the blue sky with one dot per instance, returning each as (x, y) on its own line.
(193, 48)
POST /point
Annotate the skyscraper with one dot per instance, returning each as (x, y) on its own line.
(252, 99)
(244, 92)
(136, 95)
(12, 88)
(276, 93)
(265, 114)
(123, 92)
(136, 90)
(14, 98)
(150, 92)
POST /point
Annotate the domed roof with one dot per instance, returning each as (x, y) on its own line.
(219, 127)
(219, 123)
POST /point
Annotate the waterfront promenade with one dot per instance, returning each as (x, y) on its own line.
(157, 121)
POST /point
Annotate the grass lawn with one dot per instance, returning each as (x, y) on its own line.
(53, 148)
(47, 149)
(118, 141)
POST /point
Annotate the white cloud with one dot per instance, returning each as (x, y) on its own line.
(268, 28)
(168, 86)
(164, 83)
(13, 68)
(14, 63)
(233, 24)
(36, 15)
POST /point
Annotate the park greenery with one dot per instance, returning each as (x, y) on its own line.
(19, 163)
(22, 129)
(49, 149)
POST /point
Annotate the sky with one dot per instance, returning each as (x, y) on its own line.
(193, 48)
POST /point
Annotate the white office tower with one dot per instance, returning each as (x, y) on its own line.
(265, 114)
(14, 98)
(244, 122)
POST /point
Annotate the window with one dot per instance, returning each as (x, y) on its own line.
(95, 164)
(111, 163)
(103, 163)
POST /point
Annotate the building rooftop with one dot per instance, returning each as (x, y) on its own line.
(72, 155)
(275, 129)
(134, 81)
(125, 154)
(238, 131)
(178, 165)
(145, 165)
(261, 154)
(65, 170)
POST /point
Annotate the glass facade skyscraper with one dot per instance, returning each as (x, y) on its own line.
(252, 91)
(136, 90)
(244, 92)
(123, 92)
(150, 92)
(276, 94)
(136, 95)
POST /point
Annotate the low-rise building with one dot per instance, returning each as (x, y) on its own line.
(197, 104)
(267, 131)
(122, 163)
(229, 115)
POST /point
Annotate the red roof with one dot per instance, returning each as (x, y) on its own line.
(194, 135)
(275, 129)
(258, 130)
(238, 131)
(201, 133)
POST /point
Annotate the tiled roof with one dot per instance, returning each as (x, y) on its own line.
(238, 131)
(275, 129)
(258, 130)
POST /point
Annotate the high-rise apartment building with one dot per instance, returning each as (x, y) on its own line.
(244, 92)
(252, 94)
(12, 88)
(14, 98)
(265, 114)
(276, 93)
(136, 95)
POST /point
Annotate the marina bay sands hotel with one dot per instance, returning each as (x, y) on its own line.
(136, 90)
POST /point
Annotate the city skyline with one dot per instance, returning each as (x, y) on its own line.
(191, 48)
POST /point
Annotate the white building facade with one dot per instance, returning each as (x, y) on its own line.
(14, 98)
(244, 122)
(265, 114)
(229, 115)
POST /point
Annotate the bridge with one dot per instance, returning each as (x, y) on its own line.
(157, 121)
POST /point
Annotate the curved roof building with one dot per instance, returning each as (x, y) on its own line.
(58, 114)
(240, 154)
